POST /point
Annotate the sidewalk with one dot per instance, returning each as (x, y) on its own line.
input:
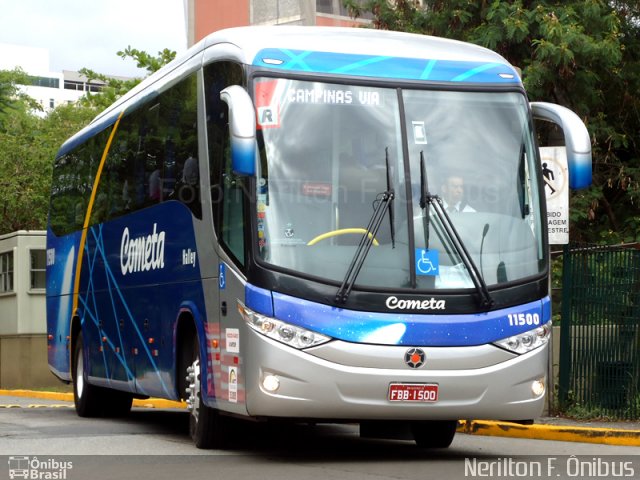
(68, 397)
(545, 428)
(560, 429)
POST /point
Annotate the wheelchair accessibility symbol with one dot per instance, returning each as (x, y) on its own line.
(427, 262)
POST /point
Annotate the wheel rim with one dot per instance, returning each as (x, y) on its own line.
(79, 373)
(193, 379)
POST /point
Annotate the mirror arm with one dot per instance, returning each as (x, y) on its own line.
(242, 129)
(577, 140)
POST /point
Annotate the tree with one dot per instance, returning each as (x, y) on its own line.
(582, 54)
(27, 147)
(116, 87)
(11, 98)
(28, 143)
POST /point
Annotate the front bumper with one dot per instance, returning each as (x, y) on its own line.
(344, 381)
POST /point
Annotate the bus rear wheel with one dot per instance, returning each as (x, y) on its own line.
(86, 397)
(434, 434)
(116, 403)
(91, 400)
(208, 429)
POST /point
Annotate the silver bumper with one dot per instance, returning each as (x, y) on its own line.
(487, 383)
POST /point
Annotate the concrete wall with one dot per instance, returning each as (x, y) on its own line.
(23, 362)
(212, 15)
(23, 323)
(207, 16)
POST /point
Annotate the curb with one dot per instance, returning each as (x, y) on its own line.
(68, 397)
(560, 433)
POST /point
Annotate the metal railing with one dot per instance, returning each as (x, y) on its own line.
(600, 332)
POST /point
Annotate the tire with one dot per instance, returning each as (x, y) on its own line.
(434, 434)
(91, 400)
(115, 403)
(208, 429)
(86, 397)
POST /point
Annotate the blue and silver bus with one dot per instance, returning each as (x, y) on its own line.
(330, 225)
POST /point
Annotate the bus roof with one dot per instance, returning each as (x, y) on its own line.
(359, 52)
(359, 41)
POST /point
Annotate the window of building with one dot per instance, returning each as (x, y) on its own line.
(47, 82)
(38, 269)
(52, 103)
(6, 272)
(336, 7)
(324, 6)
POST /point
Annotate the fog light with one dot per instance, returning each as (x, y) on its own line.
(537, 387)
(271, 383)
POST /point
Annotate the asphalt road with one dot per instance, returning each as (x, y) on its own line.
(155, 444)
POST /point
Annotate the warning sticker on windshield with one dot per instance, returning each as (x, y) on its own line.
(267, 104)
(419, 133)
(316, 189)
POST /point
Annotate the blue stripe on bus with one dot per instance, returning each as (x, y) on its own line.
(259, 300)
(386, 67)
(436, 330)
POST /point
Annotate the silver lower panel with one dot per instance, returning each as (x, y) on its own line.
(318, 388)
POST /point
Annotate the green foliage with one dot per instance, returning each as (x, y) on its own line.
(148, 62)
(582, 54)
(11, 99)
(28, 143)
(116, 87)
(27, 147)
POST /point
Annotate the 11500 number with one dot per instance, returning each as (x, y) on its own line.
(519, 319)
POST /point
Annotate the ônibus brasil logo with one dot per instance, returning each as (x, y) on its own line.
(142, 253)
(33, 468)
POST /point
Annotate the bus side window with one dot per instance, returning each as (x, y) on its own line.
(227, 189)
(153, 157)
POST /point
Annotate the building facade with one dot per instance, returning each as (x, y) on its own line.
(23, 342)
(206, 16)
(49, 89)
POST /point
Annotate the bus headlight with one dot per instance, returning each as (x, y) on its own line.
(527, 341)
(291, 335)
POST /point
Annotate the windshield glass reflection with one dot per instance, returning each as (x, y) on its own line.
(324, 149)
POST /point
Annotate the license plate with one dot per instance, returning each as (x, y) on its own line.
(413, 392)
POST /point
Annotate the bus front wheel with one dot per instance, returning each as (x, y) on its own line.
(434, 434)
(208, 429)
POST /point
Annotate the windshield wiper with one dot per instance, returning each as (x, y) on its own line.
(392, 228)
(383, 202)
(521, 187)
(424, 203)
(427, 200)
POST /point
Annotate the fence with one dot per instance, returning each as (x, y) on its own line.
(600, 332)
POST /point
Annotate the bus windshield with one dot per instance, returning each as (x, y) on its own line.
(330, 151)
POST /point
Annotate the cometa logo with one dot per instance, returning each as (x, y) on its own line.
(143, 253)
(432, 304)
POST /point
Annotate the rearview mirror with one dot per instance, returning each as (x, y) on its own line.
(242, 130)
(576, 137)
